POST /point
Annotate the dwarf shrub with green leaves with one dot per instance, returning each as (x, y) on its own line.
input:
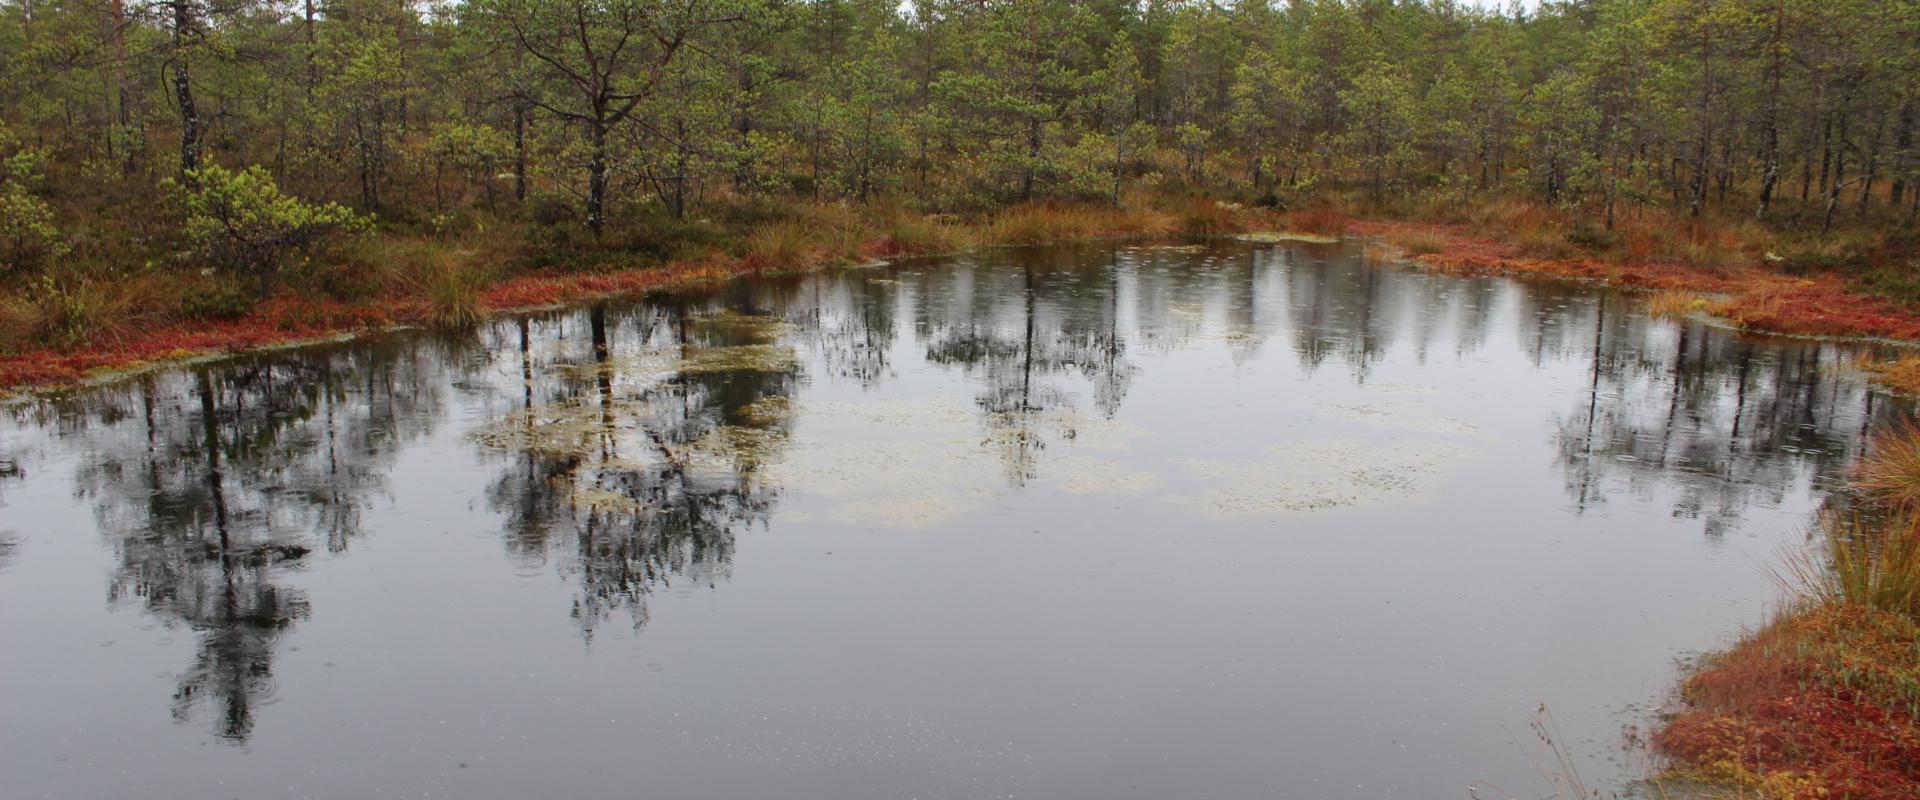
(28, 238)
(246, 225)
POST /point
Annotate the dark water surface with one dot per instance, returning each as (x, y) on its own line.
(1222, 521)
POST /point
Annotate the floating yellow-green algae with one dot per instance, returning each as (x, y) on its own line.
(884, 463)
(734, 449)
(766, 411)
(1077, 474)
(1308, 476)
(598, 499)
(1400, 416)
(742, 328)
(643, 368)
(911, 464)
(741, 358)
(574, 428)
(653, 366)
(1273, 237)
(1169, 248)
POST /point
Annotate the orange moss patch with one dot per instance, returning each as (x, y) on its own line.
(1754, 297)
(1819, 704)
(1822, 306)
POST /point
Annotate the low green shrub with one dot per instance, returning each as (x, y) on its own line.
(243, 222)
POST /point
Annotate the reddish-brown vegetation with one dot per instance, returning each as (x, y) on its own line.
(1752, 295)
(1820, 704)
(1755, 296)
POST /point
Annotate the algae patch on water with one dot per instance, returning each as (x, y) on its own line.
(1314, 475)
(738, 358)
(912, 464)
(1276, 237)
(1400, 416)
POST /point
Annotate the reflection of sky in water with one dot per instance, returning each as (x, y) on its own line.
(1122, 521)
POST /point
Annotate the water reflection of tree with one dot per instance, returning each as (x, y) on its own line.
(1724, 422)
(635, 456)
(849, 321)
(211, 485)
(1348, 307)
(10, 471)
(1019, 333)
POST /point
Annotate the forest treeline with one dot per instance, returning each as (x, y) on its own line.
(235, 134)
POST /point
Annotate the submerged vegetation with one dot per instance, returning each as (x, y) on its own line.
(181, 176)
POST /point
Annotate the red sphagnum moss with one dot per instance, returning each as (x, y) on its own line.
(1819, 704)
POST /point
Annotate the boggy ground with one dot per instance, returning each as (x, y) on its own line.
(1818, 704)
(424, 281)
(1720, 274)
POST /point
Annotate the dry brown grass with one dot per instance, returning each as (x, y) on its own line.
(1204, 216)
(1900, 374)
(787, 244)
(1322, 220)
(1417, 243)
(1890, 474)
(1039, 223)
(1676, 304)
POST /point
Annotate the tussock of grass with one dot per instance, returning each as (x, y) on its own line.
(1866, 558)
(453, 289)
(1211, 217)
(1039, 223)
(912, 234)
(1419, 243)
(1675, 304)
(1142, 219)
(787, 244)
(1323, 220)
(1891, 474)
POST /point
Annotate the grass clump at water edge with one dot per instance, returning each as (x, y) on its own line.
(1824, 702)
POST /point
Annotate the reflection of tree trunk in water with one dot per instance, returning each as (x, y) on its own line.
(336, 536)
(603, 378)
(1593, 404)
(238, 712)
(146, 405)
(1866, 423)
(1740, 397)
(526, 400)
(210, 429)
(1110, 358)
(526, 369)
(1809, 380)
(1026, 368)
(1673, 400)
(1366, 324)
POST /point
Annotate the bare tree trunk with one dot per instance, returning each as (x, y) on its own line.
(122, 111)
(1873, 165)
(519, 150)
(1903, 149)
(1033, 157)
(183, 87)
(1770, 119)
(597, 175)
(313, 72)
